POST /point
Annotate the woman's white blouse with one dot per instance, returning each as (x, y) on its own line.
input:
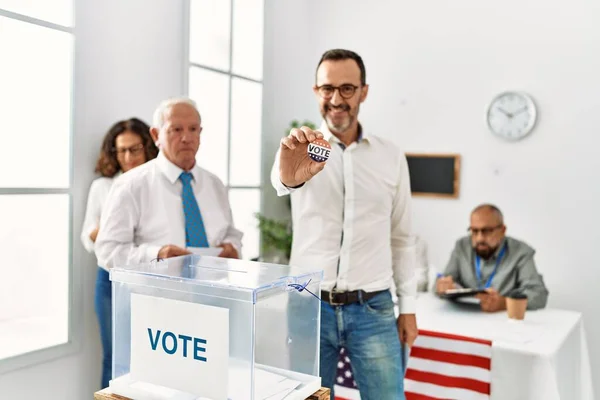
(96, 199)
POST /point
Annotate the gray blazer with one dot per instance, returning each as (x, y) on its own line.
(516, 269)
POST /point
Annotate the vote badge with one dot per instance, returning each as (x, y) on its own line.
(319, 150)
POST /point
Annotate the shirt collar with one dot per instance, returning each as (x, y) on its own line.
(331, 138)
(172, 171)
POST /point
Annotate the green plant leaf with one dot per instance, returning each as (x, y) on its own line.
(276, 235)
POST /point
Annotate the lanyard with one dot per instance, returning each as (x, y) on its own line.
(478, 268)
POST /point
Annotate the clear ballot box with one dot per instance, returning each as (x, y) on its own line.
(198, 327)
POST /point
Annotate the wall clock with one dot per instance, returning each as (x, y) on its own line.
(511, 115)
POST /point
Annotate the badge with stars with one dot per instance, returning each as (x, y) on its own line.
(319, 150)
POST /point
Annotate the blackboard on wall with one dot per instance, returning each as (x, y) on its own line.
(434, 175)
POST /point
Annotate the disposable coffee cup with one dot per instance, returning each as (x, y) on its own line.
(516, 305)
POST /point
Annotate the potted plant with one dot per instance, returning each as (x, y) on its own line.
(276, 239)
(297, 124)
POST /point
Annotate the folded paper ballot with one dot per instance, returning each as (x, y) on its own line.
(461, 292)
(268, 386)
(206, 251)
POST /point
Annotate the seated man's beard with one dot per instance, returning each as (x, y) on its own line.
(483, 250)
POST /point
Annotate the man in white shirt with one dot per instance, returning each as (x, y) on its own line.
(351, 216)
(168, 204)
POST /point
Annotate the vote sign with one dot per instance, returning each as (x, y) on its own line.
(180, 345)
(319, 150)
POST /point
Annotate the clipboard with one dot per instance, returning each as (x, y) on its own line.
(460, 292)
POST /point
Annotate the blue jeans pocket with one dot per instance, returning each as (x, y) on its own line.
(381, 304)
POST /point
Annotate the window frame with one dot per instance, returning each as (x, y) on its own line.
(187, 65)
(75, 290)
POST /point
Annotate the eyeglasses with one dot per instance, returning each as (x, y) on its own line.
(484, 231)
(134, 150)
(346, 90)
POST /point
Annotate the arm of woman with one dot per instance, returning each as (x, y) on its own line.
(89, 230)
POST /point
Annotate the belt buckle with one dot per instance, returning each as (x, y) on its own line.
(331, 302)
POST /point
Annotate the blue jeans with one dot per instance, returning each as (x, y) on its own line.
(103, 307)
(368, 332)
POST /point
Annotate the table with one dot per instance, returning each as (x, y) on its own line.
(542, 357)
(105, 394)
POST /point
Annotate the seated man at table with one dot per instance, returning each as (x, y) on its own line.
(488, 259)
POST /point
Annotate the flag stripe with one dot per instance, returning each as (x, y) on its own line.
(448, 381)
(442, 392)
(455, 337)
(449, 357)
(418, 396)
(344, 393)
(444, 368)
(454, 346)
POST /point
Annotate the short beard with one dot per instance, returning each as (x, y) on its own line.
(339, 129)
(485, 254)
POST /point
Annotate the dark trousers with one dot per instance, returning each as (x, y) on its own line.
(103, 307)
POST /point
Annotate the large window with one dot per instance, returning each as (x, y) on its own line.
(225, 78)
(36, 48)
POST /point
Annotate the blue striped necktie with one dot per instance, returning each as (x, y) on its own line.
(195, 234)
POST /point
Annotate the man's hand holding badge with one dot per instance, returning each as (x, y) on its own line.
(303, 155)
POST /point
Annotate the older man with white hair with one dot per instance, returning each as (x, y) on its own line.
(167, 205)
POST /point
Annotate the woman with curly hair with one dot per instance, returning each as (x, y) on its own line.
(126, 145)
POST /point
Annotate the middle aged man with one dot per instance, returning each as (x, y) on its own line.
(488, 259)
(352, 217)
(166, 205)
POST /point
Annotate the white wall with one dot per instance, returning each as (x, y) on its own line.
(129, 57)
(288, 78)
(433, 67)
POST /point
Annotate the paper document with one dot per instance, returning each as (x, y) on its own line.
(267, 385)
(206, 251)
(271, 386)
(468, 300)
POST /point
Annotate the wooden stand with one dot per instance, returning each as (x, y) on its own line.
(105, 394)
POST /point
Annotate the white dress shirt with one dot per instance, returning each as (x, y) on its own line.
(144, 212)
(353, 219)
(96, 199)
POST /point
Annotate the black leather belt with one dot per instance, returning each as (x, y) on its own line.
(344, 298)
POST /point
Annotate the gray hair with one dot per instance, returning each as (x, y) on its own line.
(159, 114)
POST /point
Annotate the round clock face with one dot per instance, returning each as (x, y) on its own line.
(511, 115)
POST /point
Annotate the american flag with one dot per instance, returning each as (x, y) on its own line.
(440, 366)
(345, 386)
(444, 366)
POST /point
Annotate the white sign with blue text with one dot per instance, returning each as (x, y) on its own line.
(180, 345)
